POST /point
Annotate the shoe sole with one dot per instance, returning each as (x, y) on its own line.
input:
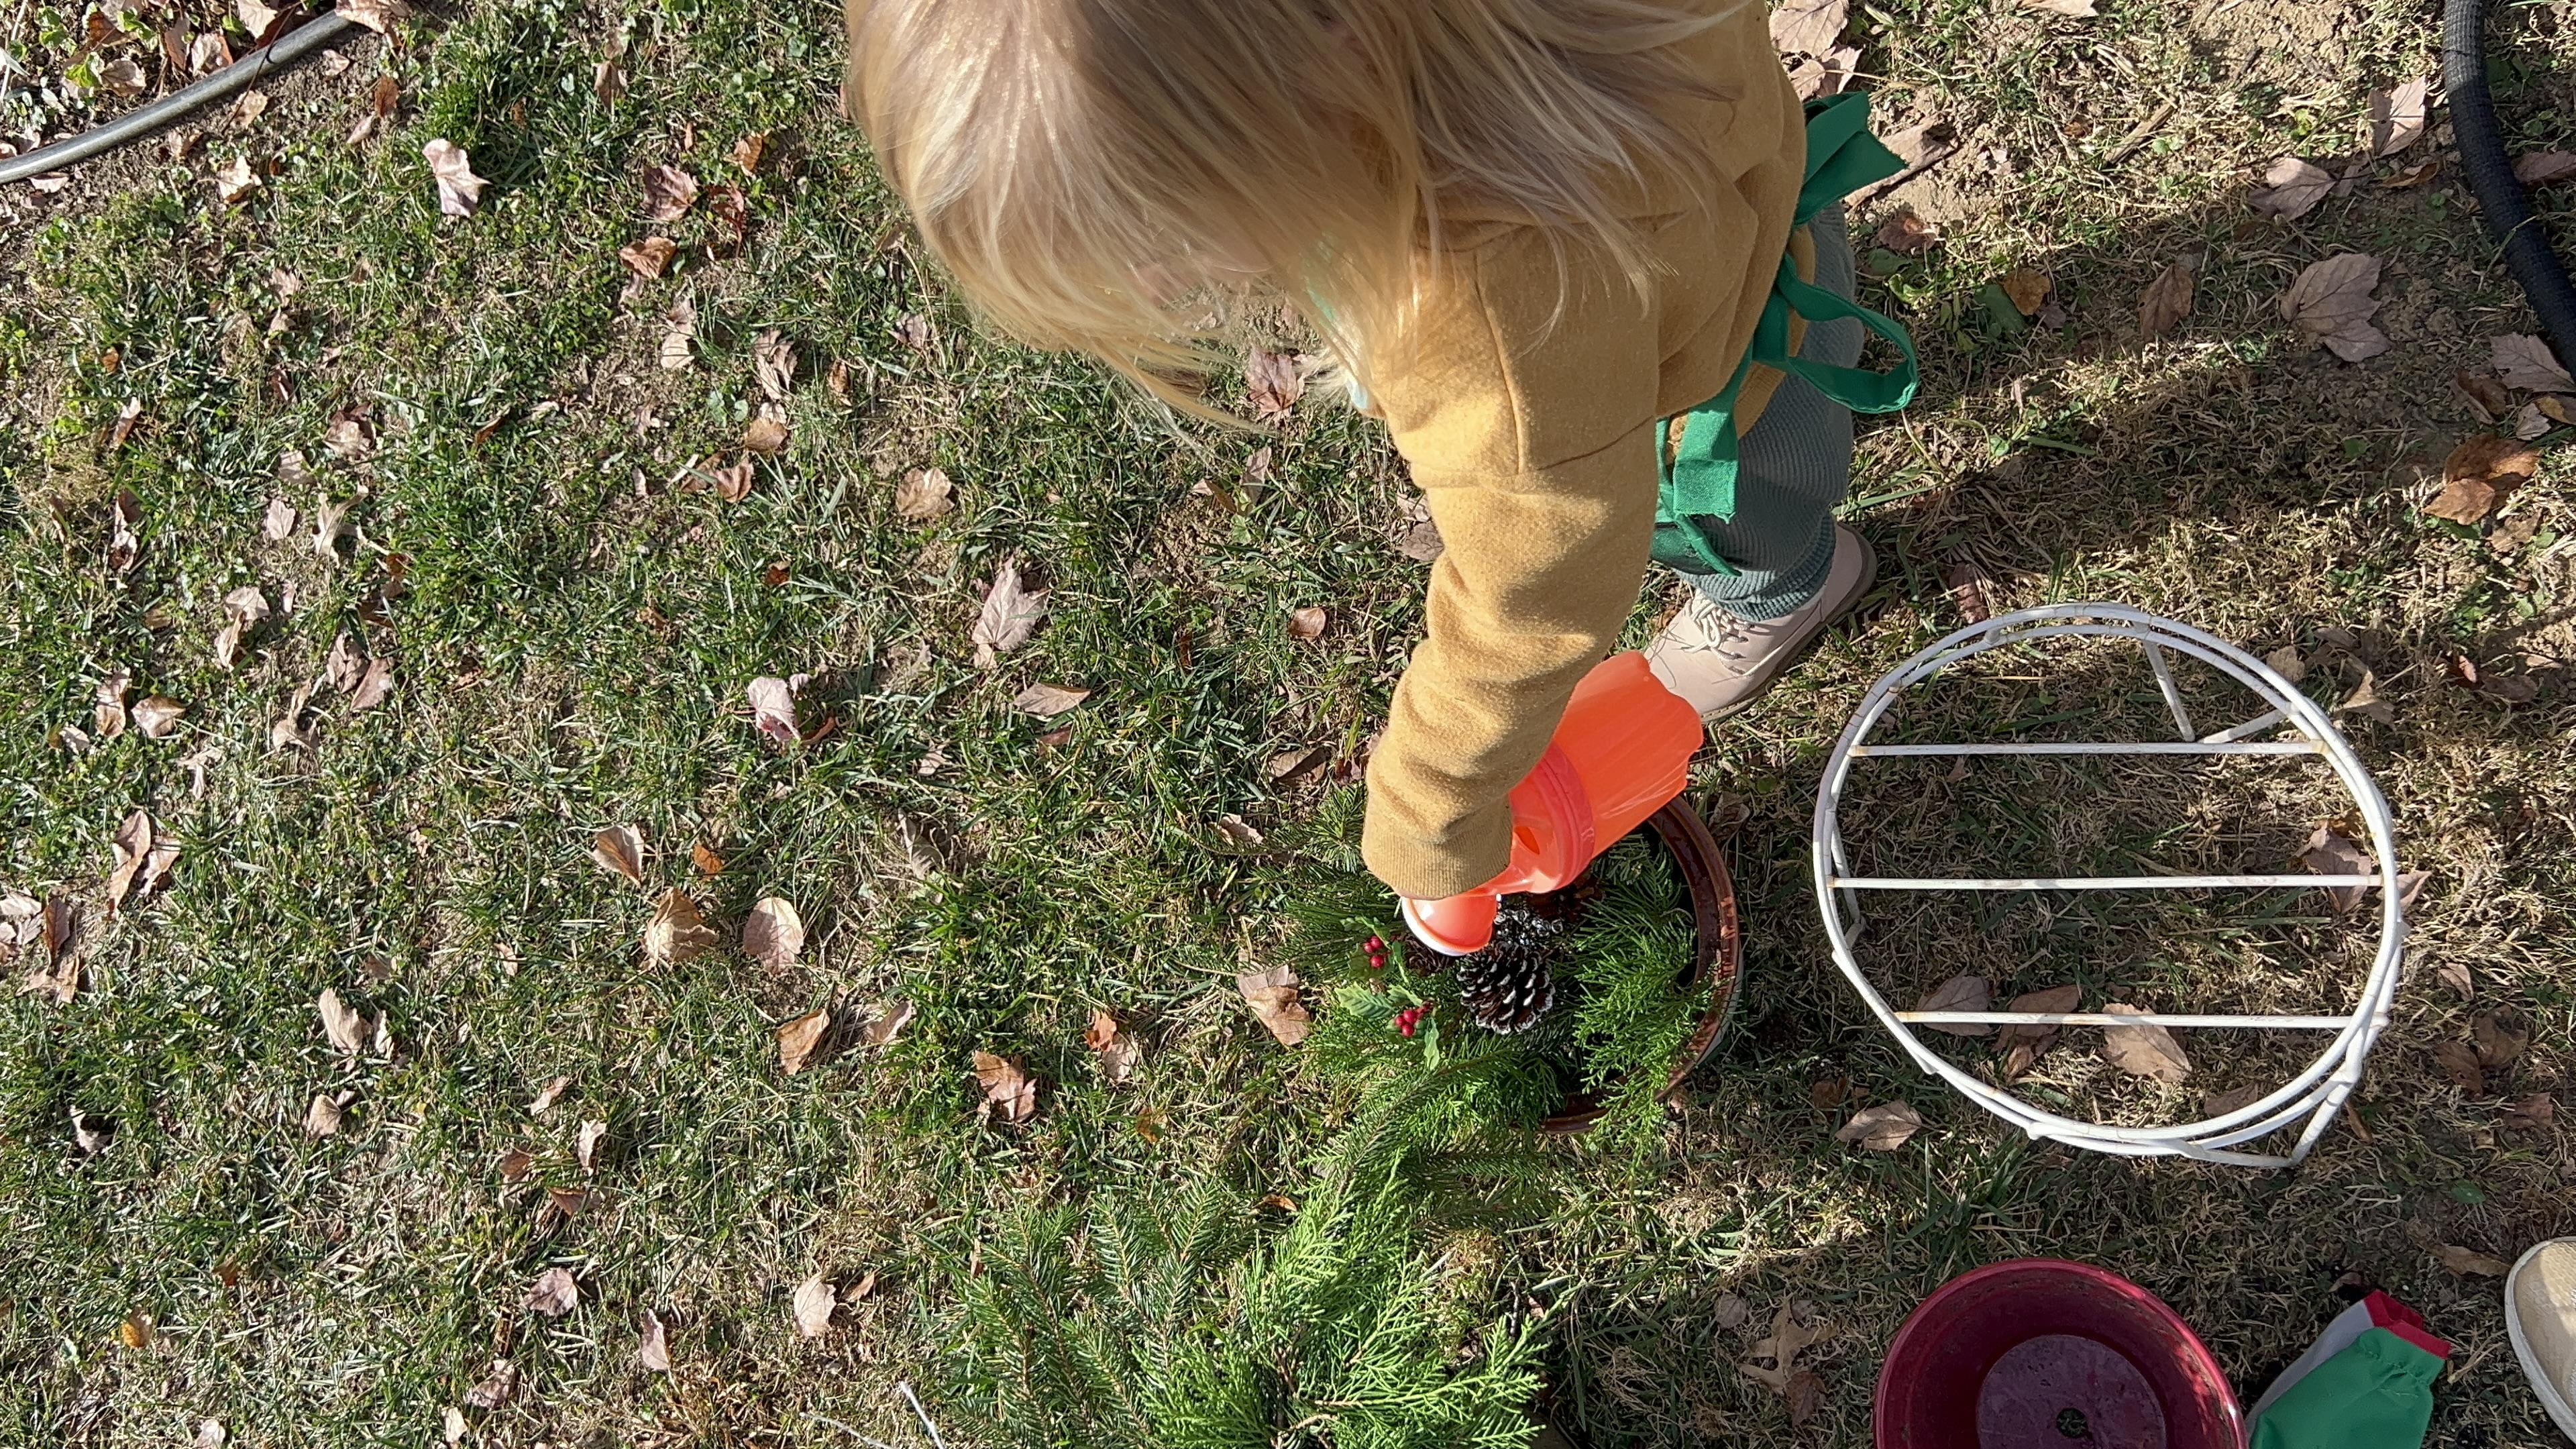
(1770, 672)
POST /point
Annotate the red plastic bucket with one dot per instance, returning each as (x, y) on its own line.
(2038, 1353)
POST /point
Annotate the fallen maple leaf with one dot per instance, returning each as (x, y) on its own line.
(924, 494)
(459, 189)
(653, 1348)
(2291, 189)
(799, 1039)
(649, 257)
(1883, 1128)
(1116, 1050)
(2331, 306)
(2147, 1050)
(620, 848)
(1960, 993)
(1046, 701)
(2525, 361)
(668, 193)
(1010, 614)
(1271, 381)
(677, 934)
(554, 1294)
(2467, 1263)
(1808, 27)
(773, 706)
(2166, 301)
(1007, 1087)
(1307, 623)
(1272, 995)
(2479, 475)
(814, 1302)
(2397, 116)
(773, 934)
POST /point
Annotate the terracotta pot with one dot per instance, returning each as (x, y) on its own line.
(1718, 959)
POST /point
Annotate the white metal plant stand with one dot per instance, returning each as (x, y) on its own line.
(2316, 1093)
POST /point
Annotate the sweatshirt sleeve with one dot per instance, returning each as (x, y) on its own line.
(1530, 430)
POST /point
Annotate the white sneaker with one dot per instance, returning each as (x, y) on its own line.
(1721, 663)
(2540, 1316)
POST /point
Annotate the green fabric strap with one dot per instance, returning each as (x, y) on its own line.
(1698, 477)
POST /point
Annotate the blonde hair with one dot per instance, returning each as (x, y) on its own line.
(1103, 175)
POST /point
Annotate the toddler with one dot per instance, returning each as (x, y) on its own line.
(1582, 256)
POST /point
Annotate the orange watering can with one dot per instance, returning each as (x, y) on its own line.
(1622, 750)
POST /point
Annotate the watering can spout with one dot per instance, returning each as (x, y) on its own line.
(1619, 753)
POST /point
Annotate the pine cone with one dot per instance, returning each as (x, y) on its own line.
(1507, 986)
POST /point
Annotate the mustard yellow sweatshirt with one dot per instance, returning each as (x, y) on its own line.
(1526, 408)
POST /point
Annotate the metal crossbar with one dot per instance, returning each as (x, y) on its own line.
(2311, 1099)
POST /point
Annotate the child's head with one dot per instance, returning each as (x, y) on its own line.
(1097, 173)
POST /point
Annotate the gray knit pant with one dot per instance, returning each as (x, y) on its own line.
(1792, 469)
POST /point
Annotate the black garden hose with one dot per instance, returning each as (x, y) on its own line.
(134, 125)
(2501, 199)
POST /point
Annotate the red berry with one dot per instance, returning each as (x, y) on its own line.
(1374, 946)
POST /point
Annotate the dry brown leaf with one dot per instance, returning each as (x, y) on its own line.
(1805, 1390)
(1294, 764)
(2479, 475)
(322, 1118)
(773, 364)
(2027, 287)
(1960, 993)
(815, 1300)
(2074, 9)
(764, 435)
(1007, 1087)
(499, 1383)
(107, 711)
(653, 1347)
(2500, 1042)
(278, 524)
(747, 151)
(2235, 1099)
(2291, 189)
(2166, 301)
(1116, 1050)
(677, 934)
(585, 1143)
(1272, 994)
(1308, 623)
(330, 521)
(1883, 1128)
(1272, 382)
(649, 257)
(2365, 700)
(157, 716)
(235, 183)
(679, 336)
(2412, 176)
(620, 848)
(2468, 1263)
(343, 665)
(913, 330)
(798, 1040)
(732, 484)
(2397, 116)
(2526, 361)
(1905, 234)
(547, 1095)
(459, 189)
(924, 494)
(2024, 1045)
(2486, 396)
(554, 1294)
(377, 15)
(608, 81)
(1010, 614)
(2330, 305)
(2459, 1062)
(1829, 74)
(2539, 168)
(1968, 587)
(668, 193)
(1789, 1337)
(704, 860)
(131, 847)
(2332, 852)
(1238, 831)
(341, 1023)
(773, 706)
(1046, 701)
(887, 1024)
(2534, 1113)
(374, 685)
(1808, 27)
(2144, 1051)
(287, 731)
(773, 934)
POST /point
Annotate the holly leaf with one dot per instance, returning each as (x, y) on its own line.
(1883, 1128)
(1960, 993)
(2330, 306)
(1272, 995)
(677, 934)
(2147, 1051)
(2291, 189)
(459, 189)
(773, 934)
(1010, 614)
(2166, 301)
(1007, 1087)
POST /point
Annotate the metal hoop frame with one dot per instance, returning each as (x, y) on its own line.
(2316, 1093)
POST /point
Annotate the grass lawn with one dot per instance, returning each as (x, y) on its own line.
(570, 593)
